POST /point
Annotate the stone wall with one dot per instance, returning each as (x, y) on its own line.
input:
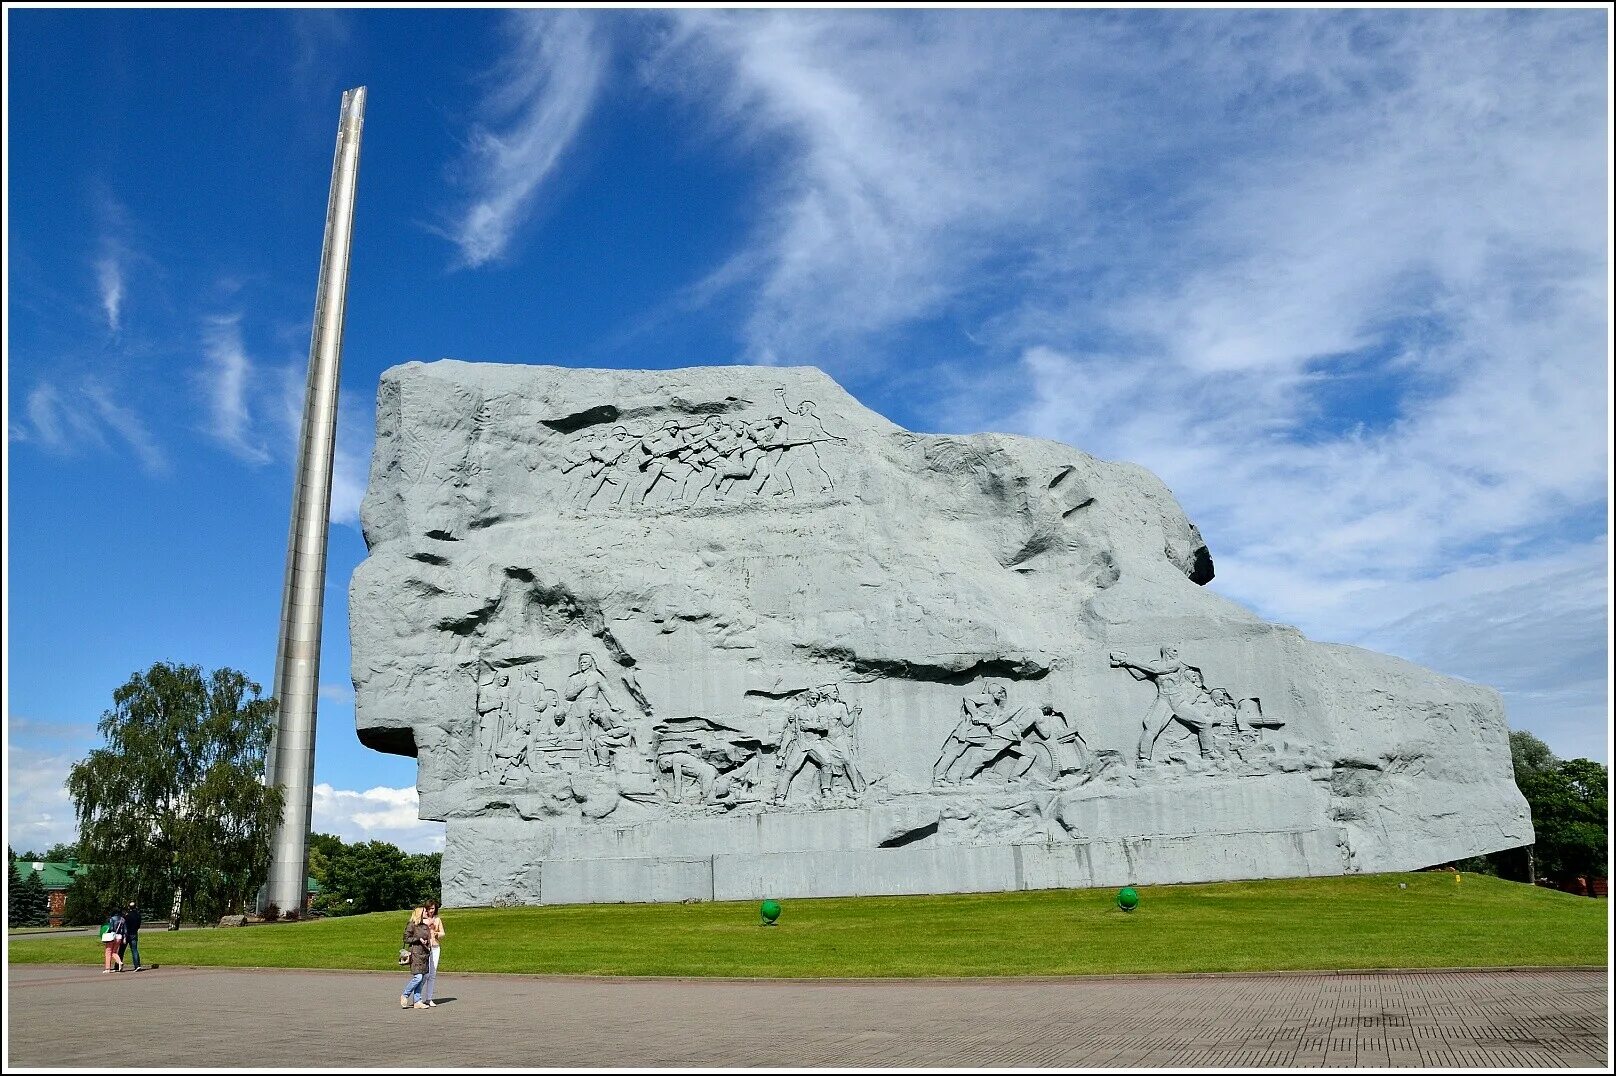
(724, 633)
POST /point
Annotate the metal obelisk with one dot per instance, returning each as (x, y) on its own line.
(297, 658)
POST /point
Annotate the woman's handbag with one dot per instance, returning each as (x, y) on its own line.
(404, 955)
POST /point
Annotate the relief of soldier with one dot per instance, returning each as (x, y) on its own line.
(712, 459)
(819, 733)
(521, 723)
(607, 739)
(1183, 697)
(718, 767)
(1012, 740)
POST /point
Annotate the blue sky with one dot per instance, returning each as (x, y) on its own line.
(1340, 278)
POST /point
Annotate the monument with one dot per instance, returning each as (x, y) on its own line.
(724, 633)
(290, 762)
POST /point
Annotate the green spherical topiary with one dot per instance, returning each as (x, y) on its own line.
(770, 910)
(1128, 899)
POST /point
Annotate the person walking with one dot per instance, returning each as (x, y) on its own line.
(131, 934)
(417, 939)
(434, 923)
(111, 941)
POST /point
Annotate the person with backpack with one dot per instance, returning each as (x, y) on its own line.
(418, 941)
(111, 940)
(131, 934)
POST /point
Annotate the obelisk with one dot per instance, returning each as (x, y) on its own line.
(297, 658)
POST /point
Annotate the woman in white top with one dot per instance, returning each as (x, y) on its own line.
(435, 922)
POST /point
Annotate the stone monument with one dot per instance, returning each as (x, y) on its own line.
(723, 633)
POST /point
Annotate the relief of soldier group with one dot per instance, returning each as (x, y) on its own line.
(717, 458)
(804, 749)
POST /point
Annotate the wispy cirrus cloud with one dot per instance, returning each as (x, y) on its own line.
(80, 417)
(129, 426)
(116, 251)
(908, 160)
(545, 85)
(255, 410)
(228, 376)
(317, 36)
(109, 282)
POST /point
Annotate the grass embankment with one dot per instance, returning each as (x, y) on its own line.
(1303, 924)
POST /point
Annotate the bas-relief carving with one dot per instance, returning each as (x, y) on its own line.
(803, 752)
(524, 728)
(1009, 741)
(819, 733)
(1183, 697)
(565, 479)
(717, 458)
(608, 740)
(527, 735)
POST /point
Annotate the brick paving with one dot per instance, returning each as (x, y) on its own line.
(206, 1017)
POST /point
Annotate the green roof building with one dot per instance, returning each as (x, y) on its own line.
(55, 877)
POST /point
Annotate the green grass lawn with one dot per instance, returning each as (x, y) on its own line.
(1440, 920)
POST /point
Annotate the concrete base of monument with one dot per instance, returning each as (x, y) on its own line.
(904, 871)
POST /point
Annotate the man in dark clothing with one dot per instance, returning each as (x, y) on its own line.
(131, 934)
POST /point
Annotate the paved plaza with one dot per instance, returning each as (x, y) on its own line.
(224, 1017)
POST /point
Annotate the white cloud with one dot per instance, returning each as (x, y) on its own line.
(376, 814)
(46, 417)
(109, 281)
(227, 378)
(257, 413)
(128, 425)
(39, 812)
(318, 39)
(337, 693)
(350, 465)
(118, 249)
(912, 153)
(1536, 628)
(68, 421)
(546, 85)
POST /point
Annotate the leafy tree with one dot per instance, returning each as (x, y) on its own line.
(176, 800)
(27, 903)
(90, 896)
(61, 853)
(1530, 754)
(1569, 804)
(427, 868)
(323, 847)
(376, 875)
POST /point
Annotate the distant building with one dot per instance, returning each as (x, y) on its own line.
(55, 877)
